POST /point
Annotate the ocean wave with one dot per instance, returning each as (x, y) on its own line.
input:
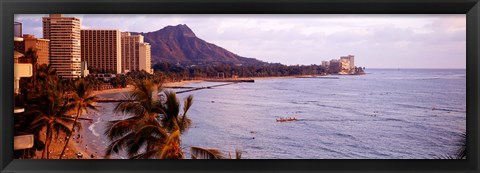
(428, 77)
(92, 128)
(430, 108)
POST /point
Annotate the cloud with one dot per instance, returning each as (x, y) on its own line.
(376, 40)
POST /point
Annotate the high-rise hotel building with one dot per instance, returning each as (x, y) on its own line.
(41, 46)
(135, 53)
(350, 59)
(101, 49)
(65, 51)
(145, 57)
(17, 29)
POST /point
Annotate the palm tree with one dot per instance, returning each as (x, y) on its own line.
(82, 99)
(49, 112)
(205, 153)
(172, 148)
(129, 133)
(154, 138)
(121, 133)
(461, 152)
(172, 122)
(32, 55)
(171, 119)
(147, 104)
(142, 134)
(46, 73)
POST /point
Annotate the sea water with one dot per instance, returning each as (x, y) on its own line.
(385, 114)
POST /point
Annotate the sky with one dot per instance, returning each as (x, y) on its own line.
(377, 41)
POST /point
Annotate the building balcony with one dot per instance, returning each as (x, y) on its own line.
(21, 142)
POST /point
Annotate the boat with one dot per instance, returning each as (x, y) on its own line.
(287, 119)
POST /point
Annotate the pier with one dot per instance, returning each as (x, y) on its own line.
(230, 80)
(208, 87)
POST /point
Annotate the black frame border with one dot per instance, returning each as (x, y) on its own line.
(10, 7)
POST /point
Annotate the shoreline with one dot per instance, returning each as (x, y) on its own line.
(87, 136)
(107, 92)
(186, 82)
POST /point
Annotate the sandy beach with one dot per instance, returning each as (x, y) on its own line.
(58, 142)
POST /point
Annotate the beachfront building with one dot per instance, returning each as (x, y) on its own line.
(145, 58)
(334, 66)
(65, 51)
(40, 45)
(17, 29)
(24, 141)
(350, 59)
(344, 66)
(135, 53)
(21, 68)
(101, 49)
(18, 44)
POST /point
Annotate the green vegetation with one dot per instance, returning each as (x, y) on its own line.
(154, 126)
(180, 72)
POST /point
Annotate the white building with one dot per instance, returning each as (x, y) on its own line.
(65, 51)
(350, 59)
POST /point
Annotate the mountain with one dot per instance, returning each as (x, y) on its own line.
(178, 44)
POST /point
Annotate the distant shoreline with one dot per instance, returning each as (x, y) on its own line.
(108, 93)
(416, 69)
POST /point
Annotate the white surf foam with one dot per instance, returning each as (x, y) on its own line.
(92, 128)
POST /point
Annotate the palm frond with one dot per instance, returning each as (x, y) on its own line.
(187, 104)
(238, 154)
(462, 152)
(119, 128)
(119, 144)
(185, 122)
(203, 153)
(172, 105)
(132, 108)
(146, 155)
(172, 149)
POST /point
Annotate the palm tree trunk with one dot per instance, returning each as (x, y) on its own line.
(34, 78)
(79, 112)
(49, 142)
(45, 146)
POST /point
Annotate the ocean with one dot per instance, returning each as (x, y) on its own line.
(385, 114)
